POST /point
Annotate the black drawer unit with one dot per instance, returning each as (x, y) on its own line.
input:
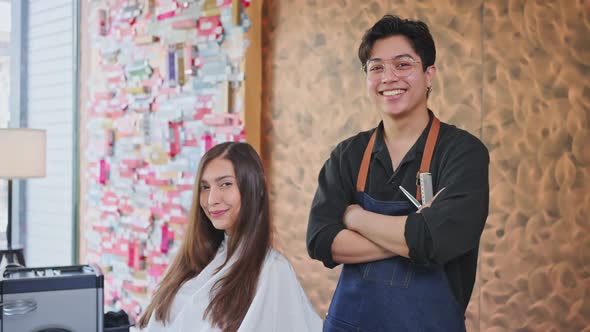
(60, 298)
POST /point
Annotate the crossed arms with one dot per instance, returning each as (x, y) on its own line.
(449, 226)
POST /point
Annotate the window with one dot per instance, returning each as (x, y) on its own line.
(5, 30)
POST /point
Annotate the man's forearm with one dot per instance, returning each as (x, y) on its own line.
(350, 247)
(385, 231)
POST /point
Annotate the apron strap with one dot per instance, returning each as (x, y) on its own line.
(424, 165)
(364, 170)
(427, 156)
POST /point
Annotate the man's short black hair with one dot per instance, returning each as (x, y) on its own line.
(416, 31)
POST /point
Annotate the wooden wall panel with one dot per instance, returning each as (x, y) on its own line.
(535, 259)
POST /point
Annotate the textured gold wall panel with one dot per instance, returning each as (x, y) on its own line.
(534, 115)
(535, 253)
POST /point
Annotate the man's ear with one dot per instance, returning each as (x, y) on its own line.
(430, 74)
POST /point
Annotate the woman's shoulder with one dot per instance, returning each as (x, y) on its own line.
(276, 257)
(280, 303)
(276, 261)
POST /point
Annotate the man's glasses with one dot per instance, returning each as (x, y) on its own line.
(401, 67)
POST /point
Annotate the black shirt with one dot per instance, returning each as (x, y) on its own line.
(446, 234)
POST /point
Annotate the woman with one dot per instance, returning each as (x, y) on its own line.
(227, 276)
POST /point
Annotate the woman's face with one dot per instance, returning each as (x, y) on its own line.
(220, 196)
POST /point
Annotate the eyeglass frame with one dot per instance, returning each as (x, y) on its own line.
(390, 62)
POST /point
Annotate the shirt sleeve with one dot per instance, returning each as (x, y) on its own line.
(452, 226)
(280, 303)
(332, 197)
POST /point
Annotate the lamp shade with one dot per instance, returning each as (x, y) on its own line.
(22, 153)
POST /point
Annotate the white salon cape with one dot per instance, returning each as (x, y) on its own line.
(280, 303)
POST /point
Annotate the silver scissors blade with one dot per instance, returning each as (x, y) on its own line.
(410, 197)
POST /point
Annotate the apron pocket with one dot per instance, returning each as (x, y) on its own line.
(335, 325)
(393, 272)
(332, 324)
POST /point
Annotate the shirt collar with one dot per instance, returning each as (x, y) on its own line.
(381, 153)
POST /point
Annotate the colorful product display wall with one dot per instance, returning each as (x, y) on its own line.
(166, 85)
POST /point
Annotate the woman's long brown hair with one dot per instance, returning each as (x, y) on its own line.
(231, 295)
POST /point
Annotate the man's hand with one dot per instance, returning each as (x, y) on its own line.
(430, 201)
(352, 216)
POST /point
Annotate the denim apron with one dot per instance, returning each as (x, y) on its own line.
(393, 294)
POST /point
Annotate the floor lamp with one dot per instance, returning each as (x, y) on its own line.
(22, 156)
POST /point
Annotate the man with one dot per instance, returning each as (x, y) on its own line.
(404, 269)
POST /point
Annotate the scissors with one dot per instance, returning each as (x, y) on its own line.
(410, 197)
